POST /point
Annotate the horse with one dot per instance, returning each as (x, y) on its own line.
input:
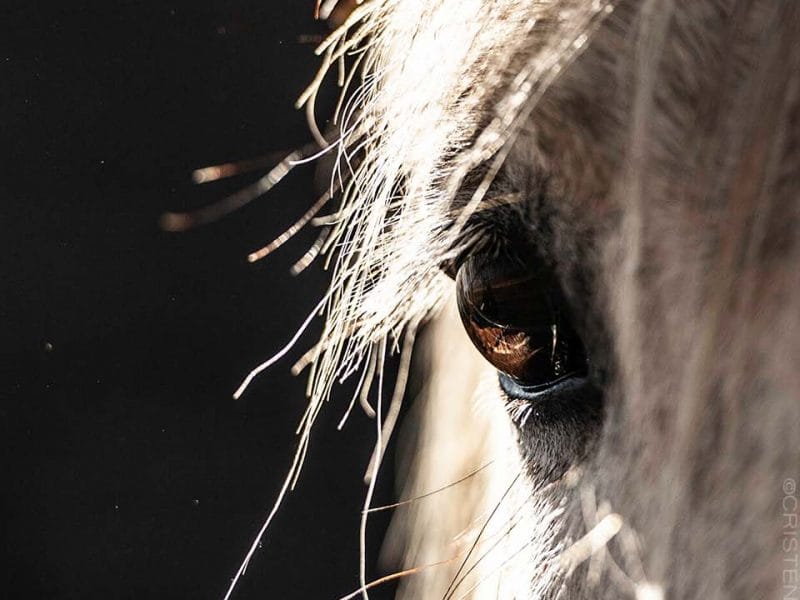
(589, 212)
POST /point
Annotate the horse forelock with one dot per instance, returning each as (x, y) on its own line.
(411, 134)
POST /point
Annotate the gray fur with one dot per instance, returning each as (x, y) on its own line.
(671, 147)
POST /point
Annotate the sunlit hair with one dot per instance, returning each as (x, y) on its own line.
(433, 93)
(411, 133)
(438, 97)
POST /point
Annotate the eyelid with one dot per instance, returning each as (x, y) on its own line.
(520, 391)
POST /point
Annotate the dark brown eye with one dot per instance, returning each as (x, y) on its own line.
(517, 317)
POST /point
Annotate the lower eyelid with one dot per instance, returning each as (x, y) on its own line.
(556, 425)
(538, 393)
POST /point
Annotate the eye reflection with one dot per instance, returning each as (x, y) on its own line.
(517, 318)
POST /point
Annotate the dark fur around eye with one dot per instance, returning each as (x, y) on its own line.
(556, 423)
(515, 312)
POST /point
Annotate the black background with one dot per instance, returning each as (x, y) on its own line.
(129, 472)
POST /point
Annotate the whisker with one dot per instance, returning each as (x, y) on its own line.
(431, 493)
(499, 567)
(512, 522)
(398, 575)
(450, 589)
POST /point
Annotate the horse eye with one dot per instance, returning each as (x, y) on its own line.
(517, 318)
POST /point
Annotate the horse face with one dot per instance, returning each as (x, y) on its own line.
(613, 187)
(648, 176)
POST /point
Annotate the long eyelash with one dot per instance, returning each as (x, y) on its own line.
(491, 230)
